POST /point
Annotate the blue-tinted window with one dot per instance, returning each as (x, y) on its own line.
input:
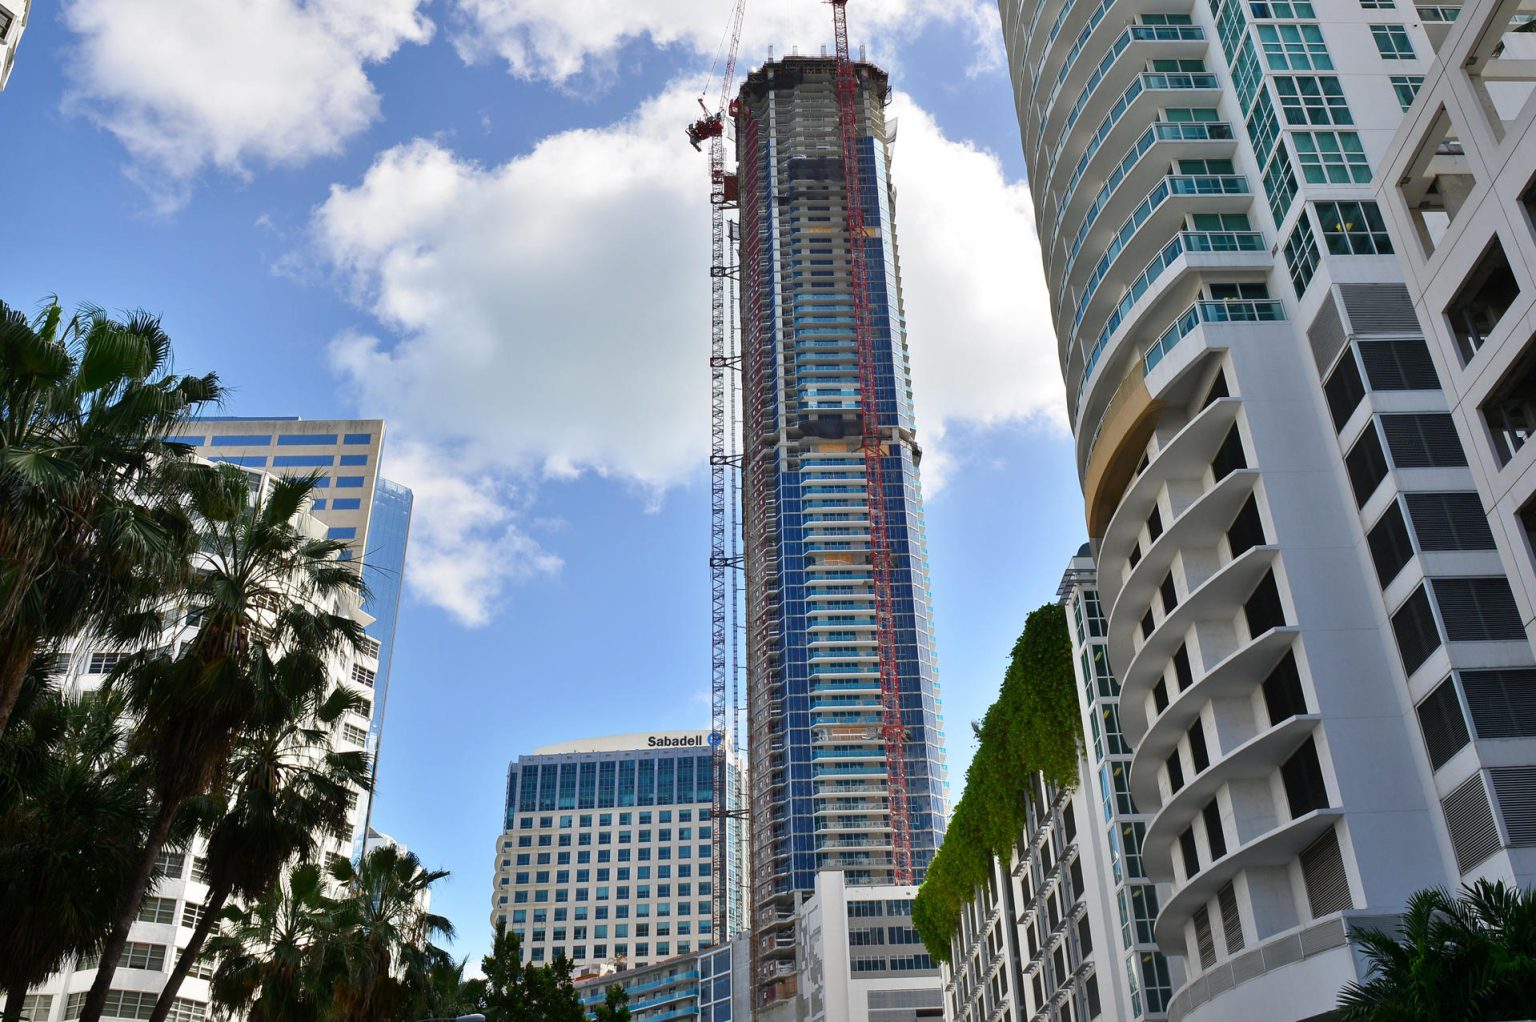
(354, 459)
(345, 555)
(306, 440)
(346, 504)
(244, 461)
(241, 440)
(357, 438)
(302, 460)
(195, 441)
(318, 505)
(341, 532)
(350, 482)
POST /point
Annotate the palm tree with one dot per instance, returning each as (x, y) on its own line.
(277, 955)
(288, 789)
(390, 932)
(73, 811)
(85, 407)
(274, 605)
(1471, 958)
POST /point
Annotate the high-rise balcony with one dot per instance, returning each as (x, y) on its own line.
(1088, 84)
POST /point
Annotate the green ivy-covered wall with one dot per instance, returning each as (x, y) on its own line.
(1032, 727)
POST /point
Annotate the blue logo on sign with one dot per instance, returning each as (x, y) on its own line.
(714, 738)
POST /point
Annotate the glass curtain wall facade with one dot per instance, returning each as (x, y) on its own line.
(818, 761)
(1271, 479)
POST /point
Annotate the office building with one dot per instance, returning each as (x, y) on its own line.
(353, 500)
(858, 958)
(819, 769)
(176, 903)
(1275, 492)
(606, 852)
(708, 985)
(13, 21)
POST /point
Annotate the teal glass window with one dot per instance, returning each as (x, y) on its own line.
(1301, 255)
(1331, 157)
(1353, 228)
(1294, 48)
(1406, 87)
(1392, 42)
(1312, 99)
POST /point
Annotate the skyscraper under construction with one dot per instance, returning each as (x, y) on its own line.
(839, 618)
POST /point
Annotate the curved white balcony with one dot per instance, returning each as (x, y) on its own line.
(1255, 759)
(1219, 597)
(1185, 456)
(1275, 847)
(1199, 525)
(1154, 740)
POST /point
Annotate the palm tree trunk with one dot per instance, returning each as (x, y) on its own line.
(14, 999)
(216, 898)
(13, 675)
(112, 951)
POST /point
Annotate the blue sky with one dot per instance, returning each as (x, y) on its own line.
(479, 220)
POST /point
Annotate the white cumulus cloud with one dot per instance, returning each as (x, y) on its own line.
(561, 39)
(189, 84)
(548, 316)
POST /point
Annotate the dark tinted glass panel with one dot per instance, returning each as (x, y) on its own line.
(1175, 772)
(1414, 627)
(1160, 695)
(1444, 726)
(1303, 777)
(1399, 365)
(1181, 668)
(1390, 546)
(1283, 697)
(1247, 529)
(1230, 457)
(1449, 521)
(1213, 832)
(1169, 594)
(1190, 851)
(1218, 388)
(1423, 441)
(1263, 609)
(1147, 624)
(1367, 465)
(1198, 756)
(1155, 524)
(1344, 390)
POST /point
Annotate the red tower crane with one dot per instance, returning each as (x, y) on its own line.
(723, 555)
(892, 728)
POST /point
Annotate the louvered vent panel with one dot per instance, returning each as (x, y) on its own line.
(1379, 309)
(1326, 334)
(1399, 365)
(1469, 819)
(1231, 919)
(1477, 609)
(1423, 441)
(1322, 870)
(1449, 521)
(1515, 788)
(1502, 703)
(1204, 939)
(1445, 730)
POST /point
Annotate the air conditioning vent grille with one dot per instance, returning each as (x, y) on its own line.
(1469, 819)
(1322, 870)
(1423, 441)
(1449, 521)
(1502, 703)
(1478, 609)
(1515, 788)
(1379, 309)
(1399, 365)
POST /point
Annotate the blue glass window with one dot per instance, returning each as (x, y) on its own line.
(318, 505)
(357, 438)
(350, 482)
(303, 460)
(345, 555)
(341, 532)
(346, 504)
(195, 441)
(241, 440)
(246, 461)
(354, 459)
(306, 440)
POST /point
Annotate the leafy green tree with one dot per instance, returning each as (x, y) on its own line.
(514, 992)
(278, 957)
(85, 406)
(387, 933)
(615, 1006)
(289, 789)
(263, 591)
(74, 812)
(1471, 958)
(551, 995)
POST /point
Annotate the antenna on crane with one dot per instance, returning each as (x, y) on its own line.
(724, 552)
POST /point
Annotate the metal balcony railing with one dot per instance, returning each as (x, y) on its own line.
(1240, 311)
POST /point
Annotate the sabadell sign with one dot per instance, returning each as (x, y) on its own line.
(670, 742)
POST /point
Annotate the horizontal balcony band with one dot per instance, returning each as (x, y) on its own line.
(1219, 597)
(1255, 759)
(1276, 847)
(1129, 51)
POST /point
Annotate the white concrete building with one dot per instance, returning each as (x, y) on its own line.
(1275, 491)
(175, 903)
(13, 21)
(606, 851)
(1458, 189)
(857, 958)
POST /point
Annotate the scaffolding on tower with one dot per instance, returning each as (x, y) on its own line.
(892, 728)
